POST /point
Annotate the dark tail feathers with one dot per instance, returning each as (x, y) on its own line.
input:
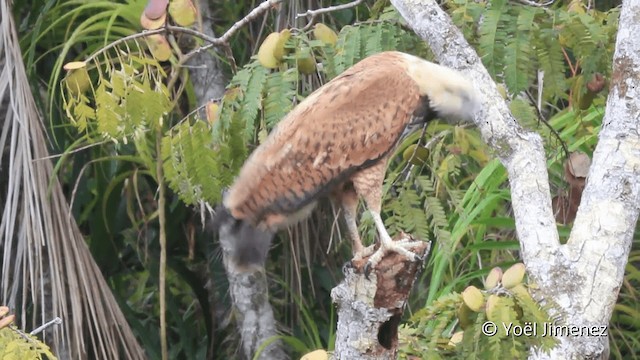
(242, 243)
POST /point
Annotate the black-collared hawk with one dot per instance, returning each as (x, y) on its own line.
(337, 143)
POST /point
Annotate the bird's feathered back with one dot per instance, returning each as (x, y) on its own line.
(349, 124)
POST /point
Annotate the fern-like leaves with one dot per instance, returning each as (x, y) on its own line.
(493, 37)
(519, 69)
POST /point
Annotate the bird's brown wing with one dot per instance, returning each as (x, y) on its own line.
(347, 125)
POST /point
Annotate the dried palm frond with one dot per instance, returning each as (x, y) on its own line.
(46, 269)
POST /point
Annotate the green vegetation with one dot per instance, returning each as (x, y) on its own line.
(16, 345)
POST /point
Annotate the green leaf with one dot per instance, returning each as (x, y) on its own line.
(373, 36)
(519, 70)
(279, 94)
(349, 48)
(252, 100)
(493, 37)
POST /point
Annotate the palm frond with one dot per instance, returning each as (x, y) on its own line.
(46, 267)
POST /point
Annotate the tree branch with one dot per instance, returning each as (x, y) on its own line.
(312, 14)
(224, 39)
(249, 291)
(221, 41)
(369, 310)
(584, 276)
(162, 219)
(259, 10)
(533, 3)
(247, 287)
(520, 151)
(598, 247)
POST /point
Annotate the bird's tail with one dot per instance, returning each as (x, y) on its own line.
(242, 243)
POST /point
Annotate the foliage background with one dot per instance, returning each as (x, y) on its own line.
(455, 194)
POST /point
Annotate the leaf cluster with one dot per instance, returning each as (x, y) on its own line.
(448, 328)
(519, 43)
(16, 345)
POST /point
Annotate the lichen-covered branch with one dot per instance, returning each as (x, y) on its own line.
(584, 276)
(520, 151)
(248, 288)
(600, 241)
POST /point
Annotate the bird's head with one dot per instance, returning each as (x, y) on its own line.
(450, 94)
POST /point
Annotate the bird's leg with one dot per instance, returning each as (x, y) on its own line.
(368, 184)
(387, 245)
(352, 227)
(349, 204)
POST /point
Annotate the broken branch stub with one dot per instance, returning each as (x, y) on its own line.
(370, 310)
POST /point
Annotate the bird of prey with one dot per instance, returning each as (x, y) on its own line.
(337, 143)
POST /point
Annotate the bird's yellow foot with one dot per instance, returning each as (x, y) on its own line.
(387, 245)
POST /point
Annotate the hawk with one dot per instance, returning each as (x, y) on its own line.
(337, 143)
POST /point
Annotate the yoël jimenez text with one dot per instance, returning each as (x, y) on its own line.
(551, 329)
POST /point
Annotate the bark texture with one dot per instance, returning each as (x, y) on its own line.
(584, 276)
(248, 288)
(369, 310)
(205, 71)
(590, 268)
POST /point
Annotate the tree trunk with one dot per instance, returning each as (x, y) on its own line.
(584, 276)
(205, 71)
(597, 251)
(370, 310)
(248, 287)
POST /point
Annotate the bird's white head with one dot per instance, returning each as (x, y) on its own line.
(450, 94)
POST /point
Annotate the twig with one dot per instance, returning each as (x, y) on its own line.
(223, 41)
(573, 69)
(213, 41)
(146, 33)
(193, 32)
(217, 100)
(22, 334)
(123, 40)
(313, 13)
(41, 328)
(547, 124)
(163, 248)
(250, 17)
(408, 166)
(72, 151)
(533, 3)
